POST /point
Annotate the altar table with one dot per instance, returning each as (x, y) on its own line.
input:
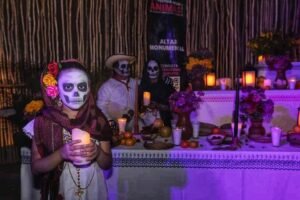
(256, 171)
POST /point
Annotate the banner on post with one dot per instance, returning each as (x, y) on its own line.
(166, 36)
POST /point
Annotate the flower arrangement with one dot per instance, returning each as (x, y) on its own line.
(202, 57)
(33, 107)
(185, 101)
(254, 105)
(49, 79)
(271, 43)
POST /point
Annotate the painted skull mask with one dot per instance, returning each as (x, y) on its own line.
(73, 86)
(123, 68)
(153, 69)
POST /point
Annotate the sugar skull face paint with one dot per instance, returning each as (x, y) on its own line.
(73, 86)
(153, 69)
(123, 68)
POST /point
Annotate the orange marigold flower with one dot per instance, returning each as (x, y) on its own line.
(49, 80)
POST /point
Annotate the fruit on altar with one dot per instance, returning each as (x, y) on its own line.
(216, 130)
(184, 144)
(130, 141)
(296, 129)
(123, 141)
(158, 123)
(194, 144)
(127, 135)
(165, 131)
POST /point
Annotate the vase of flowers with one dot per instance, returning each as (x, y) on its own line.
(183, 103)
(199, 63)
(255, 107)
(275, 47)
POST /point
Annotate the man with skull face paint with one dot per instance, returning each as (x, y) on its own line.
(69, 105)
(116, 97)
(160, 91)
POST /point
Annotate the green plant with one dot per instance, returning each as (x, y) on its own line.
(271, 43)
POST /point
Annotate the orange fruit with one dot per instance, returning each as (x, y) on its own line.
(165, 131)
(127, 135)
(216, 130)
(194, 144)
(296, 129)
(184, 144)
(130, 142)
(158, 123)
(123, 141)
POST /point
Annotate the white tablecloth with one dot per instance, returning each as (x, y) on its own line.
(256, 171)
(217, 107)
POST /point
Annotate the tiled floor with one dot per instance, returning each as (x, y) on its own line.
(10, 182)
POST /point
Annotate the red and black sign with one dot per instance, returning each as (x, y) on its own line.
(166, 36)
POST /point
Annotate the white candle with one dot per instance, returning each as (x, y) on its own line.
(78, 134)
(250, 78)
(292, 83)
(267, 83)
(147, 97)
(261, 59)
(211, 79)
(122, 124)
(177, 132)
(223, 83)
(276, 136)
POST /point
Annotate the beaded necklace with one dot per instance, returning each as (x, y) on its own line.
(80, 190)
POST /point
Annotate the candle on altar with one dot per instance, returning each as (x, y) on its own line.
(78, 134)
(267, 84)
(292, 83)
(146, 98)
(249, 78)
(223, 83)
(122, 124)
(210, 79)
(261, 59)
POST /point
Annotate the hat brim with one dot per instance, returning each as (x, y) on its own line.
(114, 58)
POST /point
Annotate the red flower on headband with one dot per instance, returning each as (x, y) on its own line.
(53, 68)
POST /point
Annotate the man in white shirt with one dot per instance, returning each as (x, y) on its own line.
(116, 97)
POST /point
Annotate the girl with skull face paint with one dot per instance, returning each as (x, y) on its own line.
(69, 105)
(152, 81)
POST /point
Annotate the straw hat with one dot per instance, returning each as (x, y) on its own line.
(117, 57)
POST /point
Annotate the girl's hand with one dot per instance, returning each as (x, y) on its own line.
(70, 151)
(90, 151)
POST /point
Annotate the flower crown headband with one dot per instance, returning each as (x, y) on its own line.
(49, 79)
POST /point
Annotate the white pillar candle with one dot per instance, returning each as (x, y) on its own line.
(222, 83)
(78, 134)
(122, 124)
(276, 136)
(267, 83)
(249, 78)
(292, 83)
(146, 98)
(177, 132)
(261, 59)
(210, 79)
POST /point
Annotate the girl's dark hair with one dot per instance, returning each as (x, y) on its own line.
(73, 65)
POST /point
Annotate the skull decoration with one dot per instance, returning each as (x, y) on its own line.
(73, 86)
(153, 69)
(123, 68)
